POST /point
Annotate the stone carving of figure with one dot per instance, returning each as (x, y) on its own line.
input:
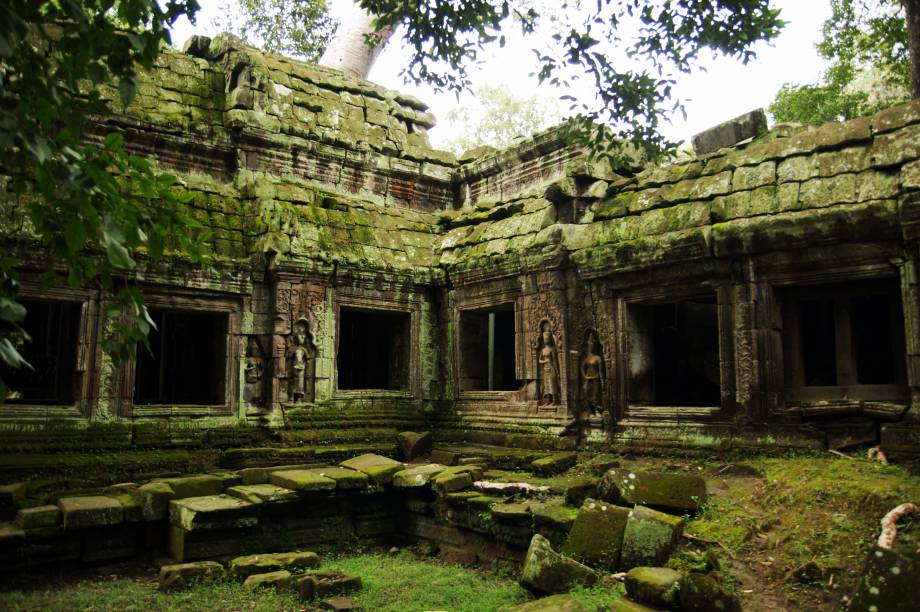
(301, 361)
(252, 373)
(593, 374)
(548, 363)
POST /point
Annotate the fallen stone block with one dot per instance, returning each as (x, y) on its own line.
(302, 480)
(702, 593)
(624, 604)
(154, 498)
(547, 571)
(656, 586)
(341, 604)
(579, 489)
(10, 534)
(890, 579)
(731, 132)
(212, 512)
(270, 562)
(596, 538)
(182, 575)
(378, 468)
(280, 579)
(344, 478)
(554, 464)
(130, 505)
(264, 494)
(554, 603)
(413, 445)
(195, 486)
(260, 475)
(326, 583)
(681, 493)
(418, 476)
(38, 517)
(456, 478)
(650, 538)
(445, 457)
(90, 511)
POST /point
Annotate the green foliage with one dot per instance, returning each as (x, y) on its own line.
(92, 205)
(866, 44)
(299, 28)
(497, 117)
(602, 42)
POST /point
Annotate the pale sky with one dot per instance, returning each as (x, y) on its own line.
(724, 90)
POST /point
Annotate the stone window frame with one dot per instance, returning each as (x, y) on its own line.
(838, 265)
(494, 294)
(357, 299)
(199, 302)
(666, 294)
(86, 355)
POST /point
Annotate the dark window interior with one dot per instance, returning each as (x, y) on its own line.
(674, 357)
(842, 336)
(187, 360)
(373, 350)
(487, 351)
(819, 342)
(52, 326)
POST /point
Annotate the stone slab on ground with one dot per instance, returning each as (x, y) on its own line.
(414, 445)
(340, 604)
(417, 476)
(445, 457)
(554, 603)
(302, 480)
(212, 512)
(38, 517)
(650, 538)
(547, 571)
(270, 562)
(624, 604)
(456, 478)
(90, 511)
(596, 538)
(182, 575)
(344, 478)
(199, 485)
(326, 583)
(260, 475)
(655, 586)
(379, 469)
(554, 464)
(680, 493)
(264, 494)
(702, 593)
(280, 579)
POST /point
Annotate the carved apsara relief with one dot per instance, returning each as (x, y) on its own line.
(301, 362)
(593, 374)
(548, 379)
(252, 373)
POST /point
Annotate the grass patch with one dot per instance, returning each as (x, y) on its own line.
(391, 583)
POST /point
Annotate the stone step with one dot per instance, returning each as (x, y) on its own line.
(212, 512)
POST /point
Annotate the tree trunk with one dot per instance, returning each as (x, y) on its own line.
(349, 50)
(912, 14)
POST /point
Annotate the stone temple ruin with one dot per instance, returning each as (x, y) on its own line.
(762, 296)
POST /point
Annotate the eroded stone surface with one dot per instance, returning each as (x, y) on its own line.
(302, 480)
(270, 562)
(212, 512)
(90, 511)
(280, 579)
(418, 476)
(547, 571)
(656, 586)
(649, 538)
(414, 445)
(596, 538)
(665, 491)
(326, 583)
(379, 469)
(183, 575)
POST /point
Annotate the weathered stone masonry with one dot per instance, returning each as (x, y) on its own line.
(764, 295)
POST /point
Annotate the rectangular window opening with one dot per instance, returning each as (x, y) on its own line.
(373, 350)
(187, 360)
(674, 354)
(53, 329)
(487, 350)
(845, 341)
